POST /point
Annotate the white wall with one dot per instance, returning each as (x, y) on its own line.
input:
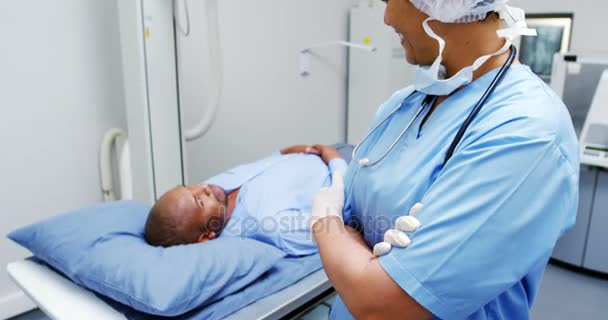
(590, 23)
(266, 103)
(261, 39)
(60, 89)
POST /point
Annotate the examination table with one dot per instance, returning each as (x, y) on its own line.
(61, 299)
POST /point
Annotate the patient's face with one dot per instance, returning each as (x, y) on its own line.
(202, 204)
(190, 214)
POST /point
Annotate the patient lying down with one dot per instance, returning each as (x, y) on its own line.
(268, 200)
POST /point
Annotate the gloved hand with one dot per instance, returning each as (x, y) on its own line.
(398, 237)
(329, 201)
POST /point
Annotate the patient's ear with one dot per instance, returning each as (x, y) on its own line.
(206, 236)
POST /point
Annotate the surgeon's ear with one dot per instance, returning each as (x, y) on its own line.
(206, 236)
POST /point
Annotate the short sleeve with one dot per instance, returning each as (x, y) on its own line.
(492, 215)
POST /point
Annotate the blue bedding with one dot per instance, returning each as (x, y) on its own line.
(283, 274)
(286, 272)
(102, 248)
(124, 221)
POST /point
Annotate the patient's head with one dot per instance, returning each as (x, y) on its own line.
(185, 215)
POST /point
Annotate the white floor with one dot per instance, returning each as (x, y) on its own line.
(564, 295)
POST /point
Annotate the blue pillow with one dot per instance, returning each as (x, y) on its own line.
(103, 249)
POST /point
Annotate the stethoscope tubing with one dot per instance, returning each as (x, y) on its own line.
(506, 66)
(365, 162)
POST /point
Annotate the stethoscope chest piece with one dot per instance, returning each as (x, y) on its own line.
(364, 162)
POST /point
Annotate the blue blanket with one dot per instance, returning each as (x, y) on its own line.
(285, 273)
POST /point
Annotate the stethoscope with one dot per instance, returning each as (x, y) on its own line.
(366, 162)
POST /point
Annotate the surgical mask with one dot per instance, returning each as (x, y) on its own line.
(431, 80)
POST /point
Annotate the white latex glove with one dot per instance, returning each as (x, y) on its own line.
(398, 237)
(329, 202)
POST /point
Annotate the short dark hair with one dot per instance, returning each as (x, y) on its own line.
(161, 227)
(167, 227)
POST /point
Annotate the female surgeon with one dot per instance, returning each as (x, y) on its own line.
(483, 151)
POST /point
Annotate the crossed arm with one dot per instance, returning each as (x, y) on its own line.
(365, 288)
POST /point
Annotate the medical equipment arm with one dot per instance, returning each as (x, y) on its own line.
(358, 277)
(215, 65)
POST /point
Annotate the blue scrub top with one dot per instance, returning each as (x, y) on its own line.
(491, 216)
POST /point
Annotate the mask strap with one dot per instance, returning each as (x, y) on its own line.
(476, 65)
(515, 18)
(483, 59)
(437, 63)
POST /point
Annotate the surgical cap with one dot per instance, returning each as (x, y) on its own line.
(458, 11)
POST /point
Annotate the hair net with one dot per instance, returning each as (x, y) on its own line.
(466, 11)
(458, 11)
